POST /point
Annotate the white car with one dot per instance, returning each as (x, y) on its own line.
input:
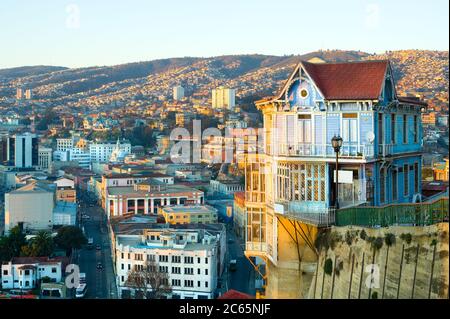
(86, 216)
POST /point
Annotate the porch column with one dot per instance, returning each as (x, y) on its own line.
(135, 206)
(152, 205)
(146, 206)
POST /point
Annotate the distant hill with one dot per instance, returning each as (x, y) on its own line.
(253, 75)
(23, 71)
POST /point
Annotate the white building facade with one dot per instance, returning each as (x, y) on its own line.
(189, 257)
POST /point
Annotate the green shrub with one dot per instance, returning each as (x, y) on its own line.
(377, 243)
(406, 237)
(374, 295)
(328, 267)
(389, 239)
(363, 234)
(434, 242)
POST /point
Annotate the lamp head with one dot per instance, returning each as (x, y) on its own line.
(336, 142)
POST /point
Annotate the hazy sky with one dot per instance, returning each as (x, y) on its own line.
(105, 32)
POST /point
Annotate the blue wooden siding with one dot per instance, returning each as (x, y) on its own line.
(318, 130)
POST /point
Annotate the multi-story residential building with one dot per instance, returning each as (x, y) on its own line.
(81, 156)
(101, 152)
(26, 272)
(223, 98)
(45, 158)
(147, 196)
(31, 206)
(23, 150)
(291, 183)
(178, 93)
(189, 214)
(226, 187)
(441, 171)
(65, 190)
(239, 217)
(64, 144)
(188, 257)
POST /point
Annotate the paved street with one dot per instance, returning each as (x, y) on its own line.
(243, 279)
(100, 282)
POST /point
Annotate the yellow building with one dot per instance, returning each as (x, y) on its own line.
(440, 171)
(196, 214)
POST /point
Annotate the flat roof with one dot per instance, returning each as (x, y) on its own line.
(129, 190)
(189, 209)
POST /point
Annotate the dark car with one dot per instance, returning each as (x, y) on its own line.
(98, 247)
(99, 266)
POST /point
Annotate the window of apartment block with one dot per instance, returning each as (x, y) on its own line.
(176, 270)
(5, 272)
(198, 271)
(176, 259)
(206, 271)
(198, 283)
(406, 179)
(122, 255)
(122, 266)
(393, 137)
(188, 260)
(206, 284)
(189, 283)
(163, 258)
(151, 258)
(53, 270)
(206, 260)
(188, 271)
(198, 260)
(405, 129)
(176, 282)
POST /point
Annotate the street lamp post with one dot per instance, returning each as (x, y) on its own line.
(336, 142)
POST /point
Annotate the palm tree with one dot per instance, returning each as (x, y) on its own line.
(42, 244)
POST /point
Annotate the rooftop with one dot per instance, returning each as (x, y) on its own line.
(130, 190)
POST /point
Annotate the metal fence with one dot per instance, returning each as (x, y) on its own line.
(420, 214)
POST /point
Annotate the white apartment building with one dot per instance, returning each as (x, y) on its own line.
(101, 152)
(22, 150)
(45, 158)
(25, 272)
(189, 257)
(223, 98)
(64, 144)
(83, 158)
(178, 93)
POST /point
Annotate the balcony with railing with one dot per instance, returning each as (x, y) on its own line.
(348, 150)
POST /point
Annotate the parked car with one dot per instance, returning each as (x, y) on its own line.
(99, 266)
(98, 247)
(233, 265)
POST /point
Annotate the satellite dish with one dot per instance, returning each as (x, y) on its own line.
(370, 137)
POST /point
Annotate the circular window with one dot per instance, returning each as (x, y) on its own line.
(303, 93)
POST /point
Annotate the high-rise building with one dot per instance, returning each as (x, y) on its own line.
(19, 93)
(178, 93)
(3, 148)
(23, 150)
(45, 158)
(223, 98)
(28, 94)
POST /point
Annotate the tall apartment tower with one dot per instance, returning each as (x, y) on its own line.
(28, 94)
(178, 93)
(23, 151)
(19, 93)
(223, 98)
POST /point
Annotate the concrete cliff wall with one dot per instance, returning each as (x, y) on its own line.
(415, 265)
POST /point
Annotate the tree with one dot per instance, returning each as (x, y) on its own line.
(11, 245)
(39, 246)
(70, 237)
(148, 281)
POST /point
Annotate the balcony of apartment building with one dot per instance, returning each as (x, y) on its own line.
(349, 150)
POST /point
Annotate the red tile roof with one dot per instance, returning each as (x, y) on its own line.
(350, 80)
(234, 294)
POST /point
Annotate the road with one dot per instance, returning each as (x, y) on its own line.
(101, 283)
(243, 279)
